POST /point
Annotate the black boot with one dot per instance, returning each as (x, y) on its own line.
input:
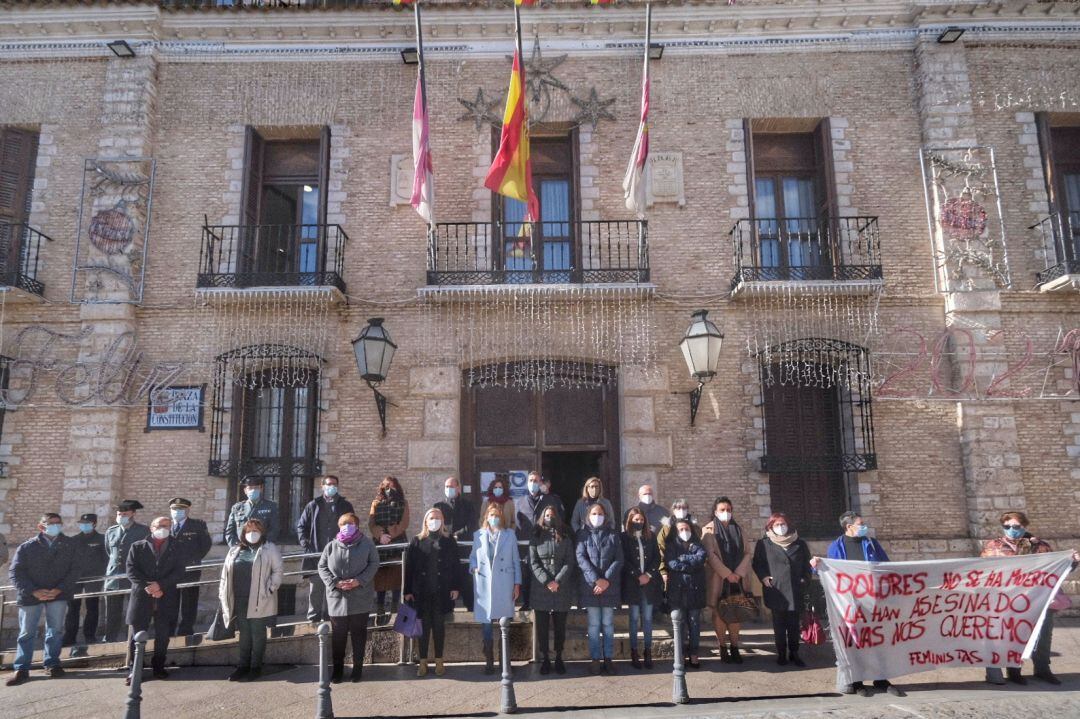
(781, 654)
(648, 657)
(725, 658)
(736, 658)
(357, 671)
(560, 668)
(339, 671)
(545, 665)
(489, 656)
(635, 660)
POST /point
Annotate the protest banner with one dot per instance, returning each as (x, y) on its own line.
(889, 619)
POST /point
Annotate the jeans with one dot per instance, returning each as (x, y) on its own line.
(340, 630)
(543, 622)
(692, 630)
(90, 622)
(252, 638)
(433, 622)
(602, 618)
(1040, 656)
(785, 627)
(488, 631)
(28, 624)
(641, 612)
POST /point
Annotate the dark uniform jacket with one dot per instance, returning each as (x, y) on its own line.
(39, 564)
(93, 557)
(264, 510)
(194, 539)
(118, 542)
(144, 567)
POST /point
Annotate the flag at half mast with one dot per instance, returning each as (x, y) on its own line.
(510, 174)
(634, 180)
(423, 182)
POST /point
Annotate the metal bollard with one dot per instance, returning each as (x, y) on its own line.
(509, 701)
(324, 707)
(134, 701)
(678, 669)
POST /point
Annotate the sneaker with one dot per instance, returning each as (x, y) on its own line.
(54, 672)
(18, 678)
(239, 673)
(77, 652)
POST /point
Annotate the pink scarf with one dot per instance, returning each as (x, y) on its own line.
(349, 537)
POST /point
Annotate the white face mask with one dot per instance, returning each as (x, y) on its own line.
(161, 533)
(434, 525)
(646, 499)
(724, 516)
(684, 535)
(680, 513)
(253, 537)
(596, 520)
(451, 492)
(779, 530)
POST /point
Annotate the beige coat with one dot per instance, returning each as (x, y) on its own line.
(715, 570)
(266, 573)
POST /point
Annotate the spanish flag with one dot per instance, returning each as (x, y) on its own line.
(511, 169)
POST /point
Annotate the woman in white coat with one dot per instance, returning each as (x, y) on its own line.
(248, 587)
(496, 568)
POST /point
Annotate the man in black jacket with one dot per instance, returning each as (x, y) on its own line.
(92, 559)
(461, 517)
(44, 572)
(318, 524)
(194, 540)
(155, 566)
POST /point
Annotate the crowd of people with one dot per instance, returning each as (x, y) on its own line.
(512, 554)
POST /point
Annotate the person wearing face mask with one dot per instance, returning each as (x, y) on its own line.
(348, 566)
(1016, 540)
(782, 563)
(527, 511)
(459, 512)
(551, 574)
(254, 506)
(45, 570)
(680, 509)
(432, 581)
(155, 566)
(685, 560)
(498, 493)
(655, 514)
(600, 558)
(194, 540)
(317, 525)
(642, 585)
(388, 519)
(856, 545)
(729, 558)
(250, 578)
(92, 560)
(495, 565)
(592, 492)
(119, 539)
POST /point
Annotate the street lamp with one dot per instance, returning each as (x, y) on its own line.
(374, 351)
(701, 350)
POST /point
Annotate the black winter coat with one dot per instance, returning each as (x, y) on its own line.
(417, 568)
(144, 567)
(685, 562)
(308, 524)
(789, 569)
(460, 518)
(40, 565)
(633, 592)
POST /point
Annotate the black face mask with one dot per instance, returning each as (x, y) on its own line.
(547, 522)
(637, 526)
(391, 493)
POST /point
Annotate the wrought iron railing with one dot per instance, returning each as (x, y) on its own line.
(20, 257)
(272, 256)
(1062, 231)
(805, 249)
(830, 463)
(333, 4)
(488, 253)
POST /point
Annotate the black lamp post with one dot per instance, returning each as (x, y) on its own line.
(374, 351)
(701, 350)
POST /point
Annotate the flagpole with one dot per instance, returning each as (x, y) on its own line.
(648, 36)
(423, 99)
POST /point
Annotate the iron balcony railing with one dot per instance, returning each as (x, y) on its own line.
(20, 253)
(802, 249)
(272, 256)
(490, 253)
(332, 4)
(1062, 230)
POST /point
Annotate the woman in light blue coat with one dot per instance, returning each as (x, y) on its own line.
(496, 568)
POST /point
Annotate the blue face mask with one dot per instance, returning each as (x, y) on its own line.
(254, 494)
(123, 520)
(178, 515)
(53, 530)
(862, 530)
(1017, 533)
(497, 492)
(451, 492)
(494, 521)
(330, 490)
(86, 527)
(534, 487)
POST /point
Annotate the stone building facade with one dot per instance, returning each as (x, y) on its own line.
(894, 208)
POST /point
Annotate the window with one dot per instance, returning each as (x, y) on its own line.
(284, 207)
(18, 156)
(1059, 141)
(548, 253)
(789, 168)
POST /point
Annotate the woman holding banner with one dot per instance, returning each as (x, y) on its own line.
(1016, 540)
(782, 563)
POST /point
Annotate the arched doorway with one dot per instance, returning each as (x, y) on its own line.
(569, 431)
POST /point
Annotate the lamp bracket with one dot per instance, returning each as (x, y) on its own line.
(380, 403)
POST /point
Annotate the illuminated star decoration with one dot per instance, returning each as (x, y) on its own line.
(593, 109)
(481, 111)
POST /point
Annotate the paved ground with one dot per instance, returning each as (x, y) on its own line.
(758, 690)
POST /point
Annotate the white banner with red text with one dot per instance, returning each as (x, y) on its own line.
(889, 619)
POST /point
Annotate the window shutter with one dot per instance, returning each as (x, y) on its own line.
(827, 203)
(1046, 154)
(748, 144)
(18, 154)
(251, 192)
(324, 172)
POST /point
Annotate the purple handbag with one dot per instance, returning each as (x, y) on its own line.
(408, 622)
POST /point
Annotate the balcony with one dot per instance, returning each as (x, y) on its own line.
(272, 256)
(20, 252)
(1062, 231)
(841, 253)
(496, 253)
(226, 4)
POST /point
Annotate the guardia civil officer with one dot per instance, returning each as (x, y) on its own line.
(194, 542)
(118, 540)
(92, 559)
(254, 507)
